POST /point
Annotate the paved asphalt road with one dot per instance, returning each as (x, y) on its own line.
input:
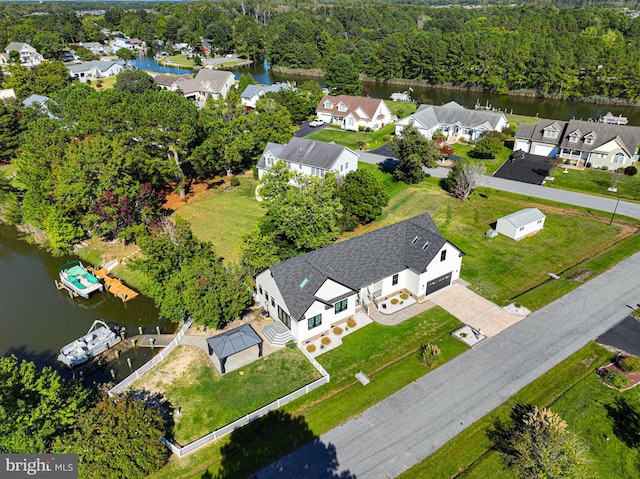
(408, 426)
(549, 193)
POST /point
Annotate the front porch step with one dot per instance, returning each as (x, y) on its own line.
(277, 333)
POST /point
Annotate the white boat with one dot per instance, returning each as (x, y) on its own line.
(79, 280)
(99, 338)
(611, 119)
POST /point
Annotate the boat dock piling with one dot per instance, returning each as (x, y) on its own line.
(114, 285)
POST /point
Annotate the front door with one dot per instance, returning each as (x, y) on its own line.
(438, 283)
(284, 317)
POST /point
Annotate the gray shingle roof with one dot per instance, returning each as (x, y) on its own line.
(312, 153)
(454, 114)
(524, 217)
(359, 261)
(102, 65)
(274, 148)
(233, 341)
(207, 80)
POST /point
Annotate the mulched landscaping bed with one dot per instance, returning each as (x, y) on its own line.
(634, 378)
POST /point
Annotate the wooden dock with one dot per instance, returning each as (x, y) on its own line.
(140, 341)
(114, 285)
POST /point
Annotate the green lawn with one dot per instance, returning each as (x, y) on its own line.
(209, 401)
(386, 354)
(7, 169)
(350, 139)
(499, 268)
(491, 166)
(596, 182)
(221, 216)
(105, 83)
(401, 109)
(178, 60)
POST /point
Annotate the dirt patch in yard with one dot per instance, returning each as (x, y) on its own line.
(580, 275)
(177, 365)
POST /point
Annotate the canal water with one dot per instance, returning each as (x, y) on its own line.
(543, 108)
(36, 319)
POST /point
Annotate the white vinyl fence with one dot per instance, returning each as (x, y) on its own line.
(126, 382)
(243, 421)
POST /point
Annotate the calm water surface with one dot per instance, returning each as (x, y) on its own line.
(36, 319)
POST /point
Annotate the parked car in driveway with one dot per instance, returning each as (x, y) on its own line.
(316, 123)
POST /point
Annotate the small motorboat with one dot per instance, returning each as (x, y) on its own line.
(75, 277)
(99, 338)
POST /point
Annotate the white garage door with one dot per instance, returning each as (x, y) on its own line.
(542, 150)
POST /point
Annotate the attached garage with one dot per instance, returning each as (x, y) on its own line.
(438, 283)
(544, 150)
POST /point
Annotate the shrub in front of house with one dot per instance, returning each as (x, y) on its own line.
(311, 348)
(614, 378)
(631, 171)
(235, 182)
(630, 364)
(326, 340)
(351, 323)
(337, 331)
(428, 354)
(291, 345)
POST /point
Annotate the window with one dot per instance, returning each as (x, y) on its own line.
(342, 107)
(328, 104)
(443, 255)
(539, 221)
(340, 306)
(260, 290)
(550, 133)
(346, 166)
(266, 296)
(521, 229)
(394, 280)
(573, 139)
(618, 159)
(588, 141)
(314, 322)
(350, 121)
(415, 239)
(273, 302)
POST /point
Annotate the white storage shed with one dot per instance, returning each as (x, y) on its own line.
(522, 223)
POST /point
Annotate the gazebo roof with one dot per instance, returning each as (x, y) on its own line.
(233, 341)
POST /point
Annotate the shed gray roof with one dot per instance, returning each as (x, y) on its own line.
(454, 114)
(524, 217)
(359, 261)
(233, 341)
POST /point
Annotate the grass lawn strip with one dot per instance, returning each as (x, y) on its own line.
(374, 349)
(469, 447)
(209, 401)
(596, 182)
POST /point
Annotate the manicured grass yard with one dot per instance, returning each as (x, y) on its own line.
(596, 182)
(491, 166)
(386, 354)
(209, 401)
(499, 268)
(573, 391)
(221, 215)
(178, 60)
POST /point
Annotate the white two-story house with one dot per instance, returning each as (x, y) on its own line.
(29, 56)
(208, 83)
(353, 112)
(454, 121)
(312, 158)
(312, 292)
(580, 142)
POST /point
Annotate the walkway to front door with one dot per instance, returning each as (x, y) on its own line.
(474, 310)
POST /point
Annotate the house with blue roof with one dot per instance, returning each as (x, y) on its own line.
(252, 94)
(310, 293)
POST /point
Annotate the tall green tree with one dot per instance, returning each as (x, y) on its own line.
(414, 151)
(134, 81)
(125, 54)
(118, 437)
(342, 76)
(362, 197)
(11, 129)
(51, 77)
(36, 406)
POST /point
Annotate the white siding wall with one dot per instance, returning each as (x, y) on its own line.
(266, 281)
(328, 318)
(523, 145)
(507, 229)
(437, 268)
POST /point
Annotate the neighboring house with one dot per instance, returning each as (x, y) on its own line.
(96, 48)
(28, 55)
(137, 44)
(170, 82)
(453, 121)
(522, 223)
(181, 46)
(39, 102)
(7, 94)
(312, 158)
(581, 142)
(352, 112)
(252, 94)
(207, 84)
(118, 43)
(206, 47)
(95, 69)
(4, 58)
(311, 292)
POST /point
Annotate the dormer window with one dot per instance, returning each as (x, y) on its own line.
(328, 105)
(550, 133)
(588, 141)
(342, 107)
(573, 139)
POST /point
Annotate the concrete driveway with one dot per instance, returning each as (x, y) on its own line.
(474, 310)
